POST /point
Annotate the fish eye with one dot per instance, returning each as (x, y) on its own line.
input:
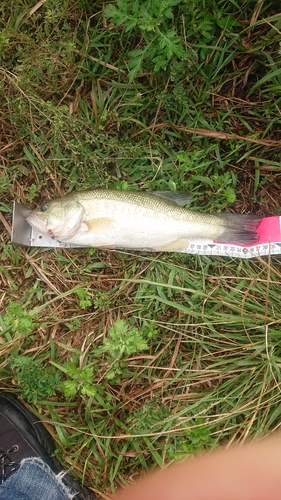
(44, 207)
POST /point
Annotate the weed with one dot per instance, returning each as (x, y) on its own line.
(122, 341)
(154, 20)
(36, 380)
(17, 321)
(101, 301)
(85, 300)
(74, 324)
(33, 192)
(80, 381)
(197, 438)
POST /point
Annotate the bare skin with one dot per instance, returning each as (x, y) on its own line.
(249, 472)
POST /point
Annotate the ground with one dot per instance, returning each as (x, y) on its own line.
(134, 360)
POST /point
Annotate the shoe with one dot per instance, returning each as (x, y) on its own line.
(23, 436)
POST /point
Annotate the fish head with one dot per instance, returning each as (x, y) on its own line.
(60, 218)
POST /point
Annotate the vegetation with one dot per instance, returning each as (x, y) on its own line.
(137, 359)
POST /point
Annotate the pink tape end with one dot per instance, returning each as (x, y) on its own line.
(269, 230)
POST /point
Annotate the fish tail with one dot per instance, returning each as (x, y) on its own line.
(240, 229)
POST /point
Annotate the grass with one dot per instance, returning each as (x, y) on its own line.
(134, 360)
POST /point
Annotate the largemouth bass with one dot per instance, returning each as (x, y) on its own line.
(108, 218)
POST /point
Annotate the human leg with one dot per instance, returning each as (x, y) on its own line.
(27, 467)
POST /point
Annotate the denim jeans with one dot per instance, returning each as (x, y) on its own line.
(34, 480)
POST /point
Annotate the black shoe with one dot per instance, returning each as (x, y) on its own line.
(23, 436)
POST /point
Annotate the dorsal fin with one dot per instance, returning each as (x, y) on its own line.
(179, 198)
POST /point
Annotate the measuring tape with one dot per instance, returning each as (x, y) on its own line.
(230, 250)
(269, 243)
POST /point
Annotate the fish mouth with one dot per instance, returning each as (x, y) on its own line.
(35, 222)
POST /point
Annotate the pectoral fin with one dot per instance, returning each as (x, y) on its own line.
(173, 246)
(100, 226)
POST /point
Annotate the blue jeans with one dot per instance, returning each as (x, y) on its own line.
(34, 480)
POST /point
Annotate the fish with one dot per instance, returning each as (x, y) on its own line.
(137, 220)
